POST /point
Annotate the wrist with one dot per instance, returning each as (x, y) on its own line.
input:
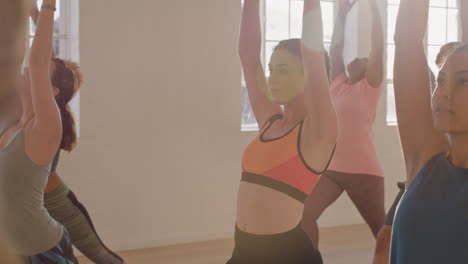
(49, 2)
(48, 7)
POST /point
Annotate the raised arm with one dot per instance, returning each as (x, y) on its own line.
(375, 67)
(419, 140)
(249, 51)
(45, 131)
(34, 12)
(337, 45)
(320, 127)
(464, 20)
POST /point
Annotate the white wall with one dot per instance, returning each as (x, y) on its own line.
(159, 155)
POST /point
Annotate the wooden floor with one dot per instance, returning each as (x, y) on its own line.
(339, 245)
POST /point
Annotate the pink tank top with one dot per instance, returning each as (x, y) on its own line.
(356, 107)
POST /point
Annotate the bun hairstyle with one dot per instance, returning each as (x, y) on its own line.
(293, 46)
(67, 77)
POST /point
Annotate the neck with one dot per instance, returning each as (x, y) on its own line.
(295, 111)
(459, 150)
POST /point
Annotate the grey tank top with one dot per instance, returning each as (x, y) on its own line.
(25, 223)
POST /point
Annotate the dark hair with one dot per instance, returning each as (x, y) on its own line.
(445, 51)
(67, 78)
(460, 48)
(293, 46)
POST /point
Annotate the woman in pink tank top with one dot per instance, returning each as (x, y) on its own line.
(355, 167)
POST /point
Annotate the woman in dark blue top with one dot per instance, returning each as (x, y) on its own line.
(431, 223)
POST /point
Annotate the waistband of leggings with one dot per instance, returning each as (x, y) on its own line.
(240, 234)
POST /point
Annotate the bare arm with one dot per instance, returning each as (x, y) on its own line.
(34, 12)
(419, 140)
(249, 52)
(320, 127)
(375, 68)
(45, 131)
(382, 246)
(337, 45)
(464, 20)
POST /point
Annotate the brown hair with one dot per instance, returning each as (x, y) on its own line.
(67, 78)
(445, 51)
(293, 46)
(459, 48)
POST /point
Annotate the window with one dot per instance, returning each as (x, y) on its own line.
(443, 27)
(283, 20)
(66, 34)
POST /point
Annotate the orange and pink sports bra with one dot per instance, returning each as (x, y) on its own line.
(278, 164)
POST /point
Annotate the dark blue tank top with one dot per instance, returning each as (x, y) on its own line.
(431, 223)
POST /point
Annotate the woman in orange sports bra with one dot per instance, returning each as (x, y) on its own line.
(282, 164)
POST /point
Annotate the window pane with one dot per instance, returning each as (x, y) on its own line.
(277, 19)
(438, 3)
(297, 9)
(391, 109)
(390, 60)
(452, 26)
(392, 16)
(437, 26)
(328, 20)
(453, 3)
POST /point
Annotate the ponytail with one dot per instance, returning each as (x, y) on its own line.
(67, 78)
(68, 127)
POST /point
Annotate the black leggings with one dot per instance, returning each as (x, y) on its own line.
(293, 247)
(392, 211)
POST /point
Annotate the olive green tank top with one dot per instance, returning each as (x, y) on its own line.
(25, 223)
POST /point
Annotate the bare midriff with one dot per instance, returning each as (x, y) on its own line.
(264, 211)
